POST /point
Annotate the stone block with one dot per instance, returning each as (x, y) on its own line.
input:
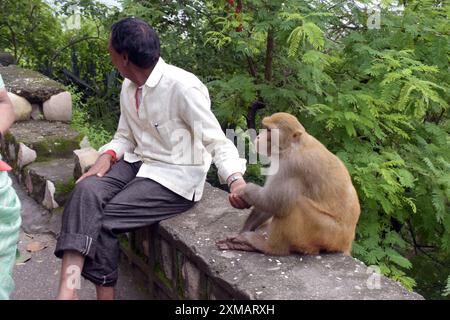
(22, 108)
(29, 84)
(192, 280)
(48, 139)
(25, 156)
(58, 107)
(84, 160)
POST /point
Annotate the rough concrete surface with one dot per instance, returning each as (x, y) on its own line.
(31, 85)
(48, 139)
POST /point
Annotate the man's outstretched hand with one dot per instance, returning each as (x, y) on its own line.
(100, 167)
(233, 197)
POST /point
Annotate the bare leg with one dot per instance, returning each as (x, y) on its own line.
(105, 293)
(71, 266)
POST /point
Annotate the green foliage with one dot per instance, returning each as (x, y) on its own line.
(447, 287)
(29, 30)
(98, 133)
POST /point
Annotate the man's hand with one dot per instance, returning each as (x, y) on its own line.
(100, 168)
(235, 200)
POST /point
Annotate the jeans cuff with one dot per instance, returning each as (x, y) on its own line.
(100, 279)
(82, 243)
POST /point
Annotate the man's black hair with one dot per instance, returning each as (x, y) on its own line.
(136, 38)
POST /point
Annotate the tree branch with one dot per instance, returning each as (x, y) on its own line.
(269, 55)
(251, 66)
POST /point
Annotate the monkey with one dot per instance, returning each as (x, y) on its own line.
(309, 204)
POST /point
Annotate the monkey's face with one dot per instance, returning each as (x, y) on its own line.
(281, 131)
(263, 141)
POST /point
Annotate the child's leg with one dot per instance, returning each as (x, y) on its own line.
(10, 221)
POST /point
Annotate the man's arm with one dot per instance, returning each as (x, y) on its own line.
(196, 110)
(122, 142)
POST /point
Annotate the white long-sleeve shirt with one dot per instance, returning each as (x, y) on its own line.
(173, 132)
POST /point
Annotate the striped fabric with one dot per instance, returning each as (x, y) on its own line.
(10, 221)
(2, 85)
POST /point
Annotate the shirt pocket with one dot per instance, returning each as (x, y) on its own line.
(172, 132)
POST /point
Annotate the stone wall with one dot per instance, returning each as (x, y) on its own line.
(35, 96)
(179, 260)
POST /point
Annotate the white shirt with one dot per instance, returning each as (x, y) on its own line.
(174, 133)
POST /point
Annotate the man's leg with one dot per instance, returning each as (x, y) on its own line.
(141, 203)
(82, 221)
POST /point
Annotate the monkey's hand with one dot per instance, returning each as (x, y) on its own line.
(250, 193)
(240, 242)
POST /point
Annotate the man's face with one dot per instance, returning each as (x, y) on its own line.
(120, 61)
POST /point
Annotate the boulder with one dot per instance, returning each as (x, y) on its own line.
(49, 196)
(85, 143)
(6, 59)
(49, 139)
(22, 108)
(58, 107)
(31, 85)
(25, 156)
(84, 160)
(51, 182)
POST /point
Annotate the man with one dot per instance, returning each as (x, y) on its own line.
(9, 205)
(142, 175)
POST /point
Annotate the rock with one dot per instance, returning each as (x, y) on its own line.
(22, 108)
(49, 196)
(48, 139)
(6, 59)
(58, 107)
(59, 172)
(25, 156)
(85, 143)
(36, 113)
(84, 160)
(31, 85)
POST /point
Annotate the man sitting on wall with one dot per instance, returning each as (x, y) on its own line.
(153, 169)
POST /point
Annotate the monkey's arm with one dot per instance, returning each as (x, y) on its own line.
(255, 219)
(251, 193)
(265, 199)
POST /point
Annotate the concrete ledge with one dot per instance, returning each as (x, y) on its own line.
(179, 260)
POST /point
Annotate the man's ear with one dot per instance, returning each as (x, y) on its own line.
(125, 59)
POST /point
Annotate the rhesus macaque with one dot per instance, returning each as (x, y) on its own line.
(310, 200)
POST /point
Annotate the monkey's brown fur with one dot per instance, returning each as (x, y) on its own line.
(311, 199)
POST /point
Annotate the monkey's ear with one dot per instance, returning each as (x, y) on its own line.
(297, 134)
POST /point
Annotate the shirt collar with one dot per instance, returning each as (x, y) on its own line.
(156, 74)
